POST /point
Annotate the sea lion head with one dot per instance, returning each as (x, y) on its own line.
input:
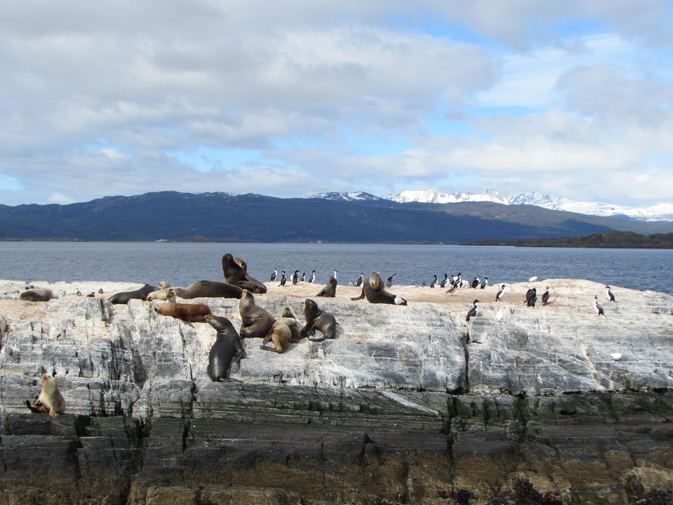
(247, 299)
(288, 313)
(310, 308)
(241, 264)
(218, 322)
(375, 281)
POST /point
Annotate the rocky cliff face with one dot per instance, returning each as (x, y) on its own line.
(407, 405)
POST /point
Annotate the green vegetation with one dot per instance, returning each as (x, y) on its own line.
(607, 239)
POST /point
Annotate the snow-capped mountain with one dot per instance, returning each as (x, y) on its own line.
(355, 195)
(431, 196)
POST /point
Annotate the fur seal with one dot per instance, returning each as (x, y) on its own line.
(316, 319)
(372, 289)
(227, 348)
(37, 295)
(330, 288)
(164, 285)
(51, 400)
(283, 331)
(256, 321)
(200, 289)
(138, 294)
(188, 312)
(236, 273)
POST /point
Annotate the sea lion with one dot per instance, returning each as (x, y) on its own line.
(256, 321)
(164, 285)
(189, 312)
(138, 294)
(227, 347)
(200, 289)
(316, 319)
(51, 400)
(330, 288)
(236, 273)
(372, 289)
(37, 295)
(283, 331)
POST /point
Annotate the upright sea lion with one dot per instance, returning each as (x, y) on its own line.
(51, 400)
(37, 295)
(236, 273)
(189, 312)
(227, 347)
(200, 289)
(283, 331)
(138, 294)
(316, 319)
(330, 288)
(256, 321)
(372, 289)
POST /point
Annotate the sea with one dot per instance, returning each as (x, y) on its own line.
(180, 264)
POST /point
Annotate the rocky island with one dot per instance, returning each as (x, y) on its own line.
(409, 404)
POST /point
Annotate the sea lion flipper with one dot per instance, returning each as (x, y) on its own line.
(362, 295)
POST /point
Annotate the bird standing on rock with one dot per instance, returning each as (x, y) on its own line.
(501, 293)
(611, 297)
(444, 281)
(473, 311)
(597, 307)
(531, 297)
(359, 282)
(274, 275)
(282, 279)
(434, 282)
(312, 277)
(545, 297)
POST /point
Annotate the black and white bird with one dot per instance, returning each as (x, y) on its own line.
(312, 277)
(475, 282)
(484, 283)
(295, 277)
(501, 293)
(434, 282)
(282, 279)
(444, 281)
(303, 277)
(531, 297)
(452, 289)
(473, 311)
(598, 308)
(274, 274)
(611, 297)
(459, 280)
(545, 297)
(359, 282)
(389, 281)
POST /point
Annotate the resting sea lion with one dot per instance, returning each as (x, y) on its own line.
(330, 288)
(316, 319)
(236, 273)
(200, 289)
(283, 331)
(372, 289)
(256, 321)
(51, 400)
(226, 348)
(164, 285)
(189, 312)
(37, 295)
(138, 294)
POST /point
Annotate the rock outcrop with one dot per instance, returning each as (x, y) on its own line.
(408, 405)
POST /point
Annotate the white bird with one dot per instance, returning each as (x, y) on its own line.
(616, 356)
(499, 315)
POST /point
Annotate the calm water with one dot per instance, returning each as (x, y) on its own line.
(182, 264)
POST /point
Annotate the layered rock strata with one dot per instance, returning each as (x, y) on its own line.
(407, 405)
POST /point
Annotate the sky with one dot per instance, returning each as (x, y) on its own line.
(294, 98)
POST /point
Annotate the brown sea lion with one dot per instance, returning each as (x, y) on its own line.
(138, 294)
(189, 312)
(283, 331)
(330, 288)
(236, 273)
(372, 289)
(200, 289)
(51, 400)
(37, 295)
(316, 319)
(256, 321)
(227, 348)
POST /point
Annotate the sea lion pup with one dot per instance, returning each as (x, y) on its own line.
(236, 273)
(138, 294)
(51, 400)
(227, 347)
(200, 289)
(372, 289)
(37, 295)
(330, 288)
(256, 321)
(188, 312)
(316, 319)
(283, 331)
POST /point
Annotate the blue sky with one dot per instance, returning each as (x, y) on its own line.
(570, 98)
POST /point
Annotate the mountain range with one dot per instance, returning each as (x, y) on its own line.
(334, 217)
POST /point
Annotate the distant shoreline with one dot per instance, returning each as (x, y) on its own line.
(603, 240)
